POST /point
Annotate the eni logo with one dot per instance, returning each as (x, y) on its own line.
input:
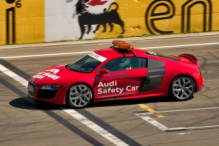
(186, 13)
(153, 16)
(10, 21)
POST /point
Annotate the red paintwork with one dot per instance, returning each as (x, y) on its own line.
(96, 2)
(128, 77)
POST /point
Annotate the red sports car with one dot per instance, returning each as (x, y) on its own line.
(117, 73)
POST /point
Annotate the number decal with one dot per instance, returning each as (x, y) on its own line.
(18, 4)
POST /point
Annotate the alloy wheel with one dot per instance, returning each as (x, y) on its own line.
(79, 96)
(183, 88)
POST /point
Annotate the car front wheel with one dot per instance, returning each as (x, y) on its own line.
(79, 96)
(182, 88)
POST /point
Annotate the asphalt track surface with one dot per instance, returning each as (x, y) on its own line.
(137, 122)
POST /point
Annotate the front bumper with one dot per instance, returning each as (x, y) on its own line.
(49, 96)
(200, 83)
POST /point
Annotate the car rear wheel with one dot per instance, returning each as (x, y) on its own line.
(182, 88)
(79, 96)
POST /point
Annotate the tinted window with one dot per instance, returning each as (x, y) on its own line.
(125, 63)
(86, 64)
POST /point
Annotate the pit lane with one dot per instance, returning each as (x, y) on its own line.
(25, 121)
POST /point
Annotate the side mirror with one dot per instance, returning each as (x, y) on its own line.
(103, 71)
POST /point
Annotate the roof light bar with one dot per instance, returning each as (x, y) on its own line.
(123, 47)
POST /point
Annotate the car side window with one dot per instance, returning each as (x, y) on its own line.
(125, 63)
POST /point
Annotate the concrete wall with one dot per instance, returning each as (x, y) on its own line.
(21, 21)
(32, 21)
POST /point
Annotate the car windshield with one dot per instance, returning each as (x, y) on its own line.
(86, 64)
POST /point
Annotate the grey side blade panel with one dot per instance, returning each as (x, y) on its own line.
(155, 75)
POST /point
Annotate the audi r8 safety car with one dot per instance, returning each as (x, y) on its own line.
(117, 73)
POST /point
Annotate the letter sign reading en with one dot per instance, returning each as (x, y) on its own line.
(207, 14)
(152, 15)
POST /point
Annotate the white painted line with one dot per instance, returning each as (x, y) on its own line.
(13, 75)
(162, 127)
(46, 55)
(154, 122)
(71, 112)
(176, 129)
(180, 46)
(180, 110)
(202, 127)
(191, 128)
(183, 133)
(86, 52)
(174, 36)
(95, 127)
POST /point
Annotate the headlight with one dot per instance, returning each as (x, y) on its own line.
(50, 87)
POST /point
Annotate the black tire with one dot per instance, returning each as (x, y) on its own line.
(79, 96)
(182, 88)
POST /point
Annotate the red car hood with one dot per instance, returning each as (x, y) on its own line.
(54, 75)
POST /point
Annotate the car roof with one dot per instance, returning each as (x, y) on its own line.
(111, 53)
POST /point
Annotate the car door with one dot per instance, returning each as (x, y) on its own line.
(120, 81)
(155, 75)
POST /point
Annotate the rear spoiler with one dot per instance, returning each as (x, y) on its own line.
(190, 57)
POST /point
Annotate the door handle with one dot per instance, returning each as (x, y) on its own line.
(147, 80)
